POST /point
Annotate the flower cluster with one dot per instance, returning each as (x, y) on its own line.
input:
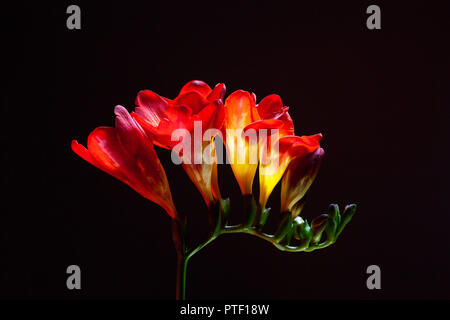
(254, 135)
(127, 151)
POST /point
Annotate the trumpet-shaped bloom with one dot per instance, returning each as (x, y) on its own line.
(196, 103)
(298, 178)
(288, 149)
(277, 150)
(126, 153)
(241, 116)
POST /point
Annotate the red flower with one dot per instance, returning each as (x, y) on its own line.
(196, 103)
(160, 116)
(127, 153)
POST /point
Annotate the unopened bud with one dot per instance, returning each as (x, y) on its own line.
(347, 215)
(318, 226)
(302, 232)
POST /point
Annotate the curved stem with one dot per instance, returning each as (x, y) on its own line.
(252, 231)
(249, 227)
(200, 247)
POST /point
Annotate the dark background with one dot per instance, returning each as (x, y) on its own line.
(380, 98)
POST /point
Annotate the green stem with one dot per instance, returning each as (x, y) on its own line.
(184, 259)
(182, 263)
(252, 231)
(248, 227)
(200, 246)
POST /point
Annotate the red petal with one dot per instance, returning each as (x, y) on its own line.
(218, 92)
(212, 116)
(137, 165)
(288, 125)
(128, 130)
(265, 124)
(312, 140)
(108, 155)
(193, 100)
(82, 152)
(270, 107)
(149, 130)
(294, 146)
(197, 86)
(151, 107)
(176, 117)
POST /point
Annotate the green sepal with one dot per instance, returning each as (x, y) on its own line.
(303, 232)
(225, 208)
(284, 226)
(263, 218)
(347, 215)
(219, 223)
(288, 238)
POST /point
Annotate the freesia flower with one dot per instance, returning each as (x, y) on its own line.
(254, 134)
(241, 115)
(299, 176)
(127, 153)
(274, 151)
(195, 104)
(289, 149)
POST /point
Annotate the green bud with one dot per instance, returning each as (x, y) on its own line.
(302, 232)
(347, 215)
(318, 226)
(330, 229)
(333, 212)
(298, 207)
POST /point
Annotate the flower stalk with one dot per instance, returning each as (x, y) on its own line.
(292, 235)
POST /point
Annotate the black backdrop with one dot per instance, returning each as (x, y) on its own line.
(379, 97)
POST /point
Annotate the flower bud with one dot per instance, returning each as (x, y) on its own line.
(318, 226)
